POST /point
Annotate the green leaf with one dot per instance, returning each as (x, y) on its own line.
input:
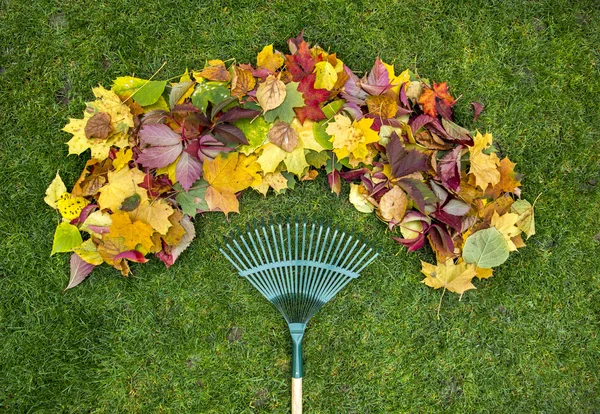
(291, 179)
(255, 130)
(317, 159)
(333, 108)
(66, 238)
(177, 91)
(206, 92)
(486, 248)
(321, 136)
(526, 221)
(194, 199)
(285, 111)
(142, 91)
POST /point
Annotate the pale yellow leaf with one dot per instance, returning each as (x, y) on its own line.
(56, 189)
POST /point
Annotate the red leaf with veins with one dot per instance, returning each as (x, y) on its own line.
(378, 80)
(312, 98)
(188, 170)
(448, 169)
(301, 63)
(158, 134)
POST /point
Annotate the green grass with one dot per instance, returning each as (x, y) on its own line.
(196, 338)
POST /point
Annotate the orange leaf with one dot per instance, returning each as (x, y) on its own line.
(134, 233)
(216, 71)
(242, 82)
(382, 106)
(439, 93)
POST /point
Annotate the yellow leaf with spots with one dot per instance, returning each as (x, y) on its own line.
(326, 76)
(507, 226)
(350, 138)
(134, 233)
(455, 277)
(483, 167)
(121, 184)
(70, 207)
(268, 59)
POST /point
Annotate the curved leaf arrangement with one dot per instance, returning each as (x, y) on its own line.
(163, 152)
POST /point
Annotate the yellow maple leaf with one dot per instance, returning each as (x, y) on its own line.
(484, 167)
(122, 158)
(295, 161)
(176, 231)
(350, 138)
(134, 232)
(455, 277)
(403, 77)
(326, 76)
(120, 121)
(268, 59)
(506, 224)
(121, 185)
(156, 213)
(276, 181)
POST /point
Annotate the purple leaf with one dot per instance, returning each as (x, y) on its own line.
(80, 269)
(477, 107)
(450, 219)
(448, 169)
(158, 157)
(439, 237)
(419, 122)
(378, 80)
(403, 97)
(188, 170)
(87, 210)
(230, 134)
(335, 182)
(418, 191)
(354, 175)
(132, 255)
(209, 147)
(236, 113)
(99, 229)
(158, 134)
(352, 92)
(404, 162)
(456, 208)
(443, 109)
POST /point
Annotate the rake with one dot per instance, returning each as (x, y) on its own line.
(298, 267)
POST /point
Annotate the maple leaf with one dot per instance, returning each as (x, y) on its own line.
(155, 212)
(271, 93)
(507, 226)
(134, 233)
(268, 59)
(437, 98)
(301, 63)
(121, 185)
(54, 191)
(122, 158)
(120, 122)
(277, 181)
(392, 206)
(509, 180)
(312, 98)
(215, 71)
(284, 136)
(350, 138)
(454, 277)
(242, 82)
(113, 252)
(483, 166)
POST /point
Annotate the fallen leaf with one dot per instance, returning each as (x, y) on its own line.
(526, 220)
(359, 198)
(382, 106)
(156, 213)
(484, 167)
(124, 155)
(98, 126)
(80, 269)
(121, 185)
(242, 82)
(486, 248)
(404, 162)
(326, 76)
(285, 111)
(350, 138)
(66, 238)
(393, 204)
(268, 59)
(454, 277)
(134, 233)
(271, 93)
(54, 191)
(506, 225)
(434, 98)
(283, 135)
(215, 71)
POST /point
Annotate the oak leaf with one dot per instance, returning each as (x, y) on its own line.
(271, 93)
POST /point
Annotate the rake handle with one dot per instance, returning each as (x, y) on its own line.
(296, 395)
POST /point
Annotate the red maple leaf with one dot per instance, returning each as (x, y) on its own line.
(301, 63)
(437, 100)
(312, 98)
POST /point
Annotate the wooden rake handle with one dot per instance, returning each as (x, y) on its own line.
(296, 395)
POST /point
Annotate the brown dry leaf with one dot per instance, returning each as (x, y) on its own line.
(271, 93)
(215, 71)
(382, 106)
(310, 175)
(98, 126)
(283, 135)
(509, 180)
(242, 82)
(392, 205)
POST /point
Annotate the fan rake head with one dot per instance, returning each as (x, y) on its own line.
(297, 266)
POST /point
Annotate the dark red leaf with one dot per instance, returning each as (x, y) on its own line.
(132, 255)
(188, 170)
(448, 169)
(419, 122)
(229, 134)
(439, 237)
(236, 113)
(420, 193)
(334, 182)
(477, 107)
(404, 162)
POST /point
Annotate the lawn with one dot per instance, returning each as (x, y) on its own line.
(196, 337)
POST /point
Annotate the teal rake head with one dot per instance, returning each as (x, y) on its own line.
(298, 267)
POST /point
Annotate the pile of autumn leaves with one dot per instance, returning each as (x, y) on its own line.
(161, 153)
